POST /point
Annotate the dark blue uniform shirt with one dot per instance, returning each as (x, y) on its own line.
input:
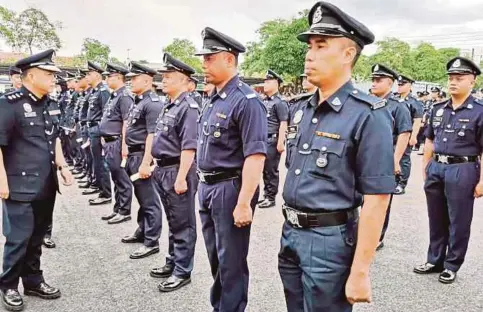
(27, 138)
(338, 151)
(232, 126)
(416, 107)
(277, 111)
(115, 112)
(401, 117)
(84, 105)
(55, 113)
(97, 100)
(176, 128)
(142, 118)
(456, 132)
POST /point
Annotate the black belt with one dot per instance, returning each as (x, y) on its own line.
(92, 123)
(299, 219)
(272, 135)
(135, 148)
(111, 138)
(215, 177)
(166, 162)
(449, 160)
(83, 123)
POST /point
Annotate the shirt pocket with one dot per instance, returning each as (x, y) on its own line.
(465, 132)
(325, 161)
(33, 127)
(23, 182)
(134, 116)
(166, 127)
(217, 132)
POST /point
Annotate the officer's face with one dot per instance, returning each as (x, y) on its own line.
(83, 83)
(381, 86)
(270, 86)
(16, 81)
(216, 67)
(113, 81)
(460, 84)
(141, 84)
(403, 88)
(306, 84)
(42, 80)
(71, 84)
(174, 82)
(208, 88)
(434, 95)
(328, 58)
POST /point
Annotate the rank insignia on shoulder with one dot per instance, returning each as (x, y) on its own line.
(328, 135)
(379, 104)
(220, 115)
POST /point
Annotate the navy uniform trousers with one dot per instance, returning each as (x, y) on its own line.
(100, 168)
(270, 169)
(226, 244)
(88, 157)
(149, 213)
(449, 195)
(120, 178)
(180, 213)
(331, 251)
(24, 226)
(405, 164)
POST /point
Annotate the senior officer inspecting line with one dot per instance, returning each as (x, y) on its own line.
(28, 188)
(339, 154)
(175, 178)
(113, 131)
(141, 126)
(452, 172)
(232, 144)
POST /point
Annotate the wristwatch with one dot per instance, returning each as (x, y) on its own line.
(62, 167)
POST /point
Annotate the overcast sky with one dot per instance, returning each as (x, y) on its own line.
(145, 26)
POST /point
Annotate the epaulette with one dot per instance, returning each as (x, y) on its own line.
(247, 91)
(126, 92)
(103, 87)
(14, 96)
(372, 101)
(154, 97)
(192, 102)
(440, 103)
(299, 97)
(479, 101)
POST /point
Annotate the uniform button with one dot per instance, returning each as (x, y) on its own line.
(448, 126)
(445, 139)
(324, 148)
(452, 113)
(45, 113)
(211, 105)
(297, 172)
(217, 124)
(50, 142)
(201, 142)
(305, 146)
(46, 122)
(53, 163)
(166, 110)
(205, 123)
(31, 123)
(314, 121)
(23, 173)
(52, 153)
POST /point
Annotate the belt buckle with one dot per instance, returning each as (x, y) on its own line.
(201, 176)
(292, 218)
(443, 159)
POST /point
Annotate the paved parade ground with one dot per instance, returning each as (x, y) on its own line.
(93, 270)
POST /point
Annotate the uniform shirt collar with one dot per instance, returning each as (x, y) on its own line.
(98, 86)
(180, 98)
(143, 95)
(32, 97)
(336, 100)
(467, 104)
(228, 88)
(118, 91)
(276, 95)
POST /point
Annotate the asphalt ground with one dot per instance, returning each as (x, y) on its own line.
(92, 267)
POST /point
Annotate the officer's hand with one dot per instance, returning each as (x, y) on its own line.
(243, 215)
(281, 148)
(397, 169)
(180, 186)
(479, 190)
(413, 141)
(144, 171)
(124, 151)
(358, 288)
(67, 178)
(4, 190)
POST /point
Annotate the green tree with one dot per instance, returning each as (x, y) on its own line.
(28, 30)
(184, 50)
(95, 51)
(278, 48)
(394, 53)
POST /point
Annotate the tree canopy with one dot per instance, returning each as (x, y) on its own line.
(184, 50)
(95, 51)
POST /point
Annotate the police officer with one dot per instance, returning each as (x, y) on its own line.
(113, 131)
(14, 74)
(382, 81)
(66, 124)
(231, 149)
(193, 83)
(277, 116)
(175, 178)
(339, 151)
(97, 101)
(416, 108)
(74, 124)
(207, 91)
(435, 90)
(139, 139)
(29, 158)
(454, 143)
(308, 88)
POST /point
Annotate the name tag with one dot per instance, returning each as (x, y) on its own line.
(220, 115)
(292, 132)
(463, 120)
(54, 112)
(31, 114)
(328, 135)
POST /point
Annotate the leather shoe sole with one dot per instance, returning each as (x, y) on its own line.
(269, 205)
(109, 217)
(144, 255)
(100, 202)
(117, 221)
(32, 292)
(430, 271)
(9, 307)
(131, 240)
(169, 289)
(49, 245)
(161, 275)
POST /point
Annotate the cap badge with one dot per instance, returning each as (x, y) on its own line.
(317, 16)
(376, 68)
(457, 63)
(203, 34)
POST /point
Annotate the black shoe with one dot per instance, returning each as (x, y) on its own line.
(85, 186)
(260, 201)
(119, 219)
(11, 300)
(91, 191)
(132, 239)
(447, 276)
(77, 171)
(162, 272)
(267, 203)
(48, 242)
(80, 177)
(427, 268)
(173, 283)
(143, 252)
(83, 182)
(399, 190)
(109, 216)
(43, 291)
(100, 201)
(380, 245)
